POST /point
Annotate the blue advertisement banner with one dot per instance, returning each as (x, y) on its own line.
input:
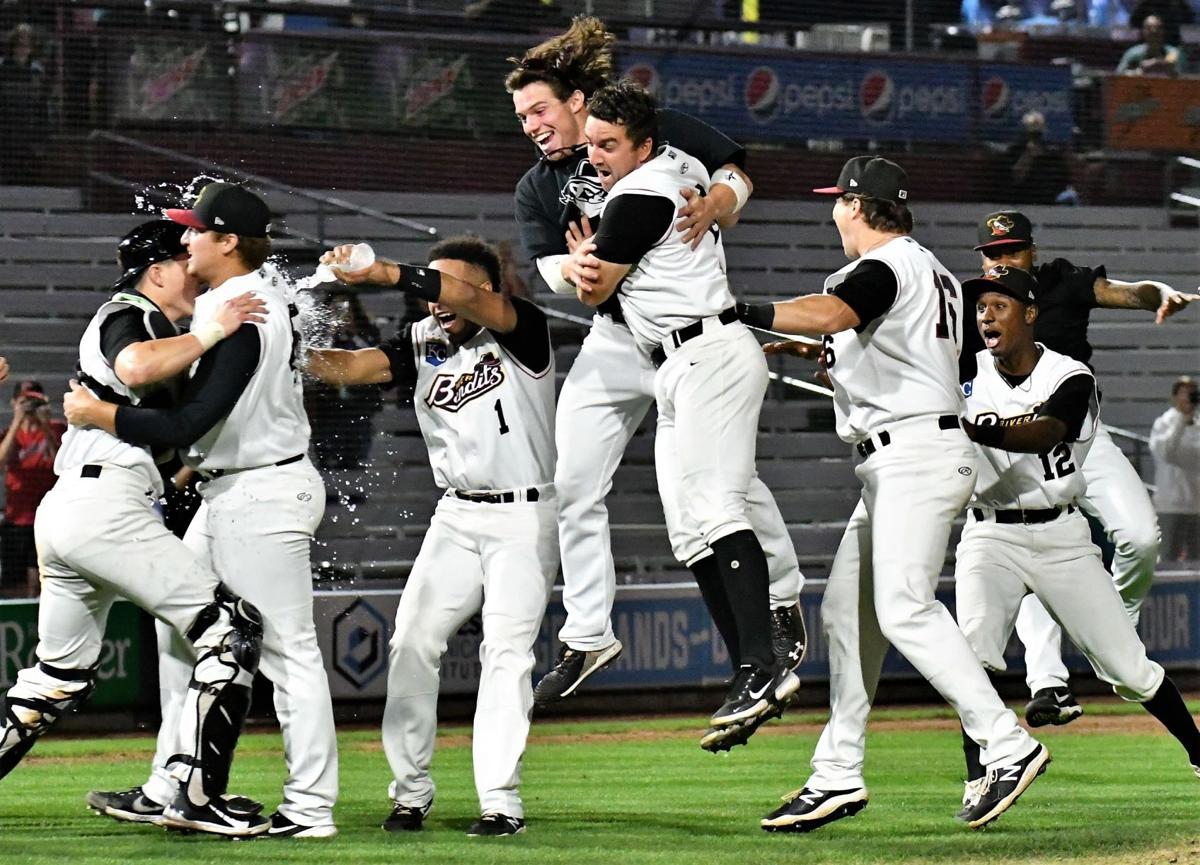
(872, 98)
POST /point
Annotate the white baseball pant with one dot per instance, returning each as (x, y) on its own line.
(501, 558)
(1117, 497)
(881, 590)
(998, 565)
(255, 528)
(607, 393)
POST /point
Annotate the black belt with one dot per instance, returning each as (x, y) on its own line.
(504, 498)
(690, 331)
(213, 474)
(866, 447)
(1025, 517)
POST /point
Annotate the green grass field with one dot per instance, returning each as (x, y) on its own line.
(637, 791)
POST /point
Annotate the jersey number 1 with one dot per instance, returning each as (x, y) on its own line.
(500, 417)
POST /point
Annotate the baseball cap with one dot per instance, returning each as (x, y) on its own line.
(30, 388)
(1012, 281)
(149, 243)
(1004, 228)
(227, 208)
(872, 176)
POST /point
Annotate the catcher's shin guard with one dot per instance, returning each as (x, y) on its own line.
(42, 694)
(228, 637)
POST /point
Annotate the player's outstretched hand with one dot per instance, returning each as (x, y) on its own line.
(578, 232)
(696, 216)
(3, 368)
(1173, 303)
(377, 273)
(583, 268)
(236, 311)
(79, 405)
(806, 350)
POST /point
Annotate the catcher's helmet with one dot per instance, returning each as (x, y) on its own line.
(149, 243)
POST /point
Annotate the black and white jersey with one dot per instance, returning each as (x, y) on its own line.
(1059, 386)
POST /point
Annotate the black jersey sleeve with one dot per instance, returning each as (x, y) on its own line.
(529, 341)
(122, 329)
(632, 225)
(1070, 403)
(399, 351)
(870, 290)
(1077, 284)
(221, 377)
(697, 138)
(538, 227)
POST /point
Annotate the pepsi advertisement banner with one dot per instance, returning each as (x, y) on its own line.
(871, 98)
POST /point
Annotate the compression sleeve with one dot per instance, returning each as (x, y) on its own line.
(1070, 403)
(399, 351)
(529, 341)
(122, 329)
(870, 290)
(632, 225)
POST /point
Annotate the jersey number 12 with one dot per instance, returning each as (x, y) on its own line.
(1057, 463)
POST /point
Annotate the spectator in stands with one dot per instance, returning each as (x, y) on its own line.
(1175, 444)
(1038, 172)
(1170, 13)
(27, 451)
(1153, 56)
(341, 418)
(23, 106)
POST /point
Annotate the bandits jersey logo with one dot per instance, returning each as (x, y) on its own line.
(1000, 225)
(583, 189)
(451, 392)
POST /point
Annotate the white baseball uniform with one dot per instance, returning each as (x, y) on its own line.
(897, 399)
(486, 411)
(262, 502)
(1025, 535)
(1175, 445)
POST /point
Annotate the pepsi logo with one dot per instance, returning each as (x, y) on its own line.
(645, 75)
(876, 95)
(994, 98)
(762, 94)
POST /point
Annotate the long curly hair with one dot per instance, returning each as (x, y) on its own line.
(579, 59)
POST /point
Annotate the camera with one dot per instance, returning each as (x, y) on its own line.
(1194, 397)
(32, 403)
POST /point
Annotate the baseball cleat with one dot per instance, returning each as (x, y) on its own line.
(971, 793)
(1196, 770)
(1004, 785)
(750, 694)
(726, 738)
(807, 809)
(571, 670)
(129, 806)
(282, 827)
(1056, 706)
(789, 640)
(407, 818)
(213, 817)
(493, 825)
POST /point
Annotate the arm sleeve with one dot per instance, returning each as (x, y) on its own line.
(968, 359)
(540, 231)
(399, 351)
(870, 290)
(632, 225)
(221, 377)
(529, 341)
(1070, 403)
(699, 139)
(122, 330)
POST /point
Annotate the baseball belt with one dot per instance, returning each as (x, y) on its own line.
(1021, 516)
(867, 446)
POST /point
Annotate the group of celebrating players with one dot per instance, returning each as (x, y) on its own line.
(997, 415)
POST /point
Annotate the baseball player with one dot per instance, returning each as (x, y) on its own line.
(1034, 414)
(610, 388)
(100, 537)
(891, 324)
(242, 419)
(1115, 495)
(711, 375)
(481, 367)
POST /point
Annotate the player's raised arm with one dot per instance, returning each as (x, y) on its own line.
(1141, 294)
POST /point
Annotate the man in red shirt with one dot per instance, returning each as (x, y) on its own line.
(27, 451)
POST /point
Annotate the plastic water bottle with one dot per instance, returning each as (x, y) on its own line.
(323, 274)
(361, 257)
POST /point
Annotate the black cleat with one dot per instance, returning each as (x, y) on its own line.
(1004, 786)
(407, 818)
(571, 670)
(1052, 706)
(129, 806)
(493, 825)
(789, 640)
(807, 809)
(213, 817)
(750, 694)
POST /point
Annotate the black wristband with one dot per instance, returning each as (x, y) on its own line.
(991, 435)
(424, 282)
(760, 315)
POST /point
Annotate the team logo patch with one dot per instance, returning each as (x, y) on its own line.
(435, 352)
(996, 271)
(968, 388)
(450, 393)
(583, 189)
(1000, 225)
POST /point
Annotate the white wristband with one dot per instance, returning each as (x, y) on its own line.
(550, 267)
(209, 334)
(735, 182)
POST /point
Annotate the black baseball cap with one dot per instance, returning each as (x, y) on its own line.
(1004, 229)
(1013, 281)
(149, 243)
(872, 176)
(227, 208)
